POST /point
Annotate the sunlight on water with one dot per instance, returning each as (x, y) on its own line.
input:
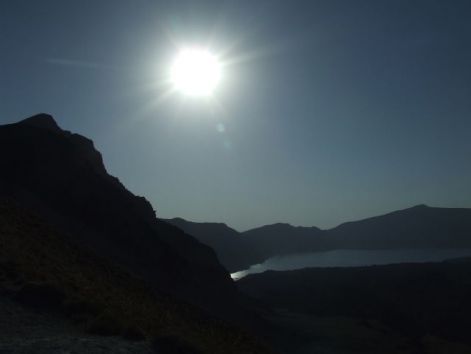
(352, 258)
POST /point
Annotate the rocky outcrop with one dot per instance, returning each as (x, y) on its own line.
(62, 177)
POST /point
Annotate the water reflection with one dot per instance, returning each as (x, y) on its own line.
(352, 258)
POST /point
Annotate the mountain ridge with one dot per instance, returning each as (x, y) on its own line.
(412, 227)
(62, 175)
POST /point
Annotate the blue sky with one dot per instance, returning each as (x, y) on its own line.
(328, 111)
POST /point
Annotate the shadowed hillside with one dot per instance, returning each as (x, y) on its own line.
(234, 251)
(61, 176)
(415, 300)
(279, 239)
(417, 227)
(43, 270)
(107, 245)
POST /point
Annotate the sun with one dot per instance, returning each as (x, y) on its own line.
(195, 72)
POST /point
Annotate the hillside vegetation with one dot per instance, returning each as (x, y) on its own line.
(39, 267)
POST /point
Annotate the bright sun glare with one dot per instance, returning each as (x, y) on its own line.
(195, 72)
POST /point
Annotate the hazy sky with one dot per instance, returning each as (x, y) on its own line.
(328, 111)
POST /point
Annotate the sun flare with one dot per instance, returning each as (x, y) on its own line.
(195, 72)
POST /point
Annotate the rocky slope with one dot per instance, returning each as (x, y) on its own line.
(61, 176)
(234, 251)
(58, 296)
(31, 331)
(416, 300)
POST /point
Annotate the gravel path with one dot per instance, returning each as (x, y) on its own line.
(26, 331)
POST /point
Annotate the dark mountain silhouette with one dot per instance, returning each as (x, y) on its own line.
(239, 250)
(73, 237)
(234, 251)
(416, 300)
(279, 239)
(417, 227)
(61, 177)
(58, 297)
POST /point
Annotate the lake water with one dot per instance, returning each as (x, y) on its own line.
(352, 258)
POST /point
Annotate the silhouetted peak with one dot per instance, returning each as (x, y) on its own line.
(276, 226)
(281, 224)
(411, 210)
(178, 219)
(283, 228)
(286, 226)
(181, 220)
(420, 206)
(41, 120)
(83, 146)
(61, 176)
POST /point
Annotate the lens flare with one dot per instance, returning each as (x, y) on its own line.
(195, 72)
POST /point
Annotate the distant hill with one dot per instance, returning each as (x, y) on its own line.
(417, 227)
(234, 251)
(239, 250)
(61, 177)
(280, 239)
(418, 300)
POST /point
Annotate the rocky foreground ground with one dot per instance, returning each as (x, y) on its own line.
(25, 330)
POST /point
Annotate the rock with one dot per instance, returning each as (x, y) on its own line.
(40, 296)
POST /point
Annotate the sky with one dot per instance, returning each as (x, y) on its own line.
(327, 111)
